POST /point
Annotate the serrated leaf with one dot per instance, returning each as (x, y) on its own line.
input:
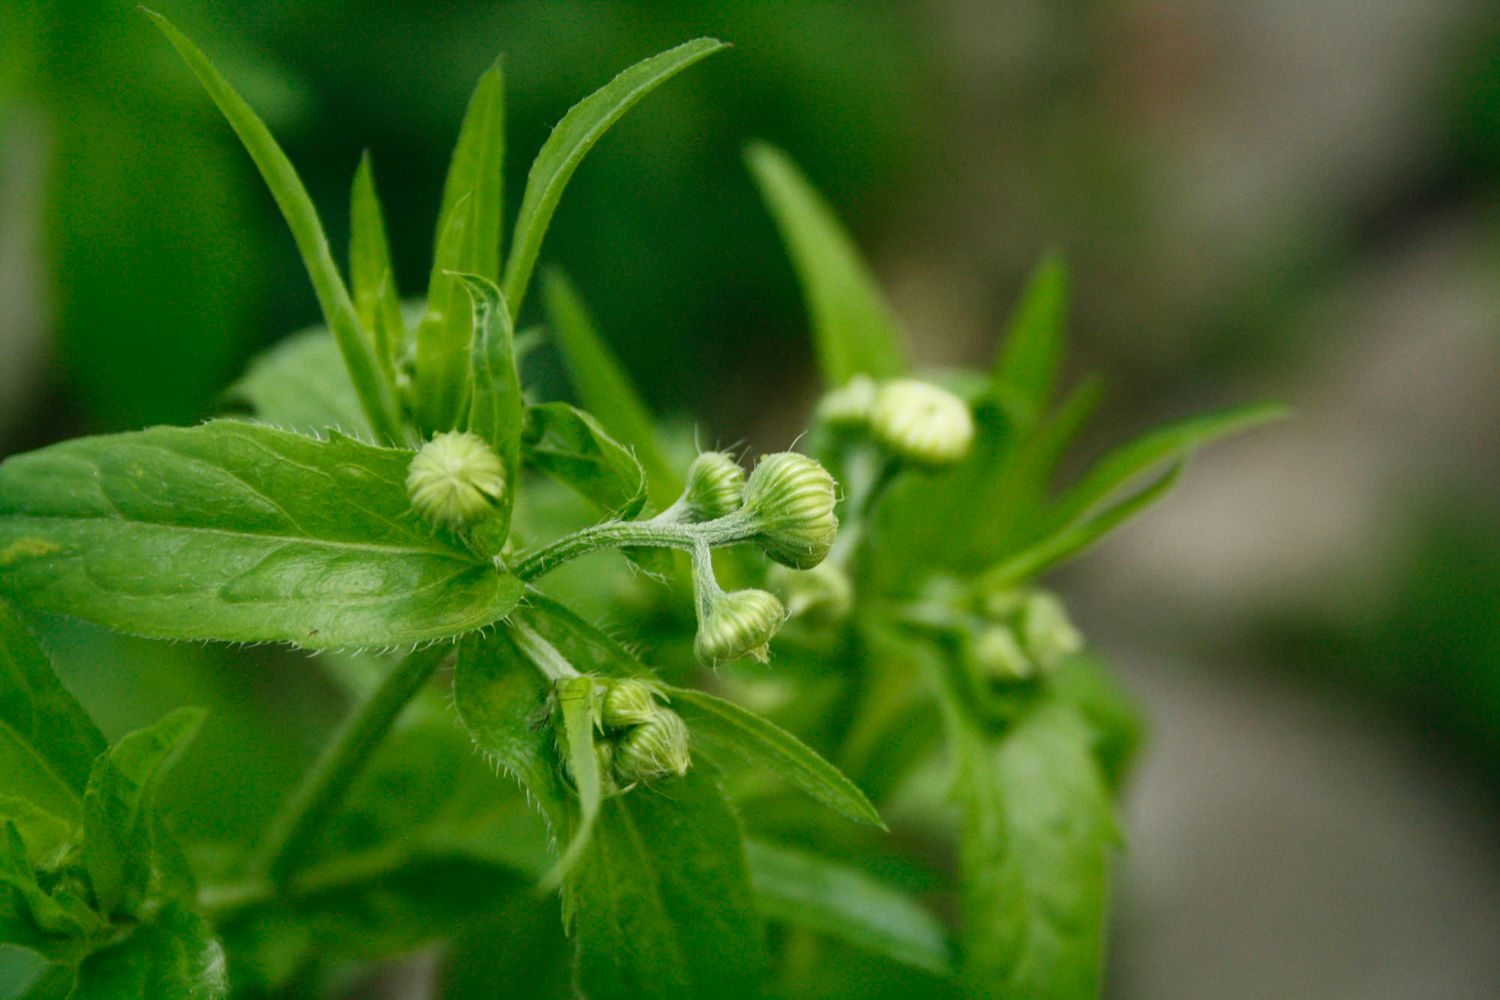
(371, 274)
(820, 894)
(1027, 363)
(495, 406)
(604, 387)
(661, 902)
(376, 393)
(571, 139)
(742, 733)
(568, 445)
(301, 385)
(119, 819)
(1037, 835)
(853, 329)
(47, 742)
(237, 532)
(174, 957)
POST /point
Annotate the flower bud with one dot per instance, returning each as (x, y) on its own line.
(739, 623)
(994, 651)
(822, 594)
(455, 480)
(1047, 631)
(792, 498)
(653, 749)
(921, 423)
(627, 703)
(848, 407)
(715, 486)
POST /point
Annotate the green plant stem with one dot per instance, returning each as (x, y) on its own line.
(302, 814)
(726, 530)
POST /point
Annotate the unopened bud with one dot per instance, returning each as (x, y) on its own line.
(1048, 632)
(792, 499)
(455, 480)
(628, 702)
(997, 655)
(848, 407)
(715, 486)
(654, 749)
(921, 423)
(739, 623)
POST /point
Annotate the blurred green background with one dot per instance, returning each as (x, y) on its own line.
(1295, 199)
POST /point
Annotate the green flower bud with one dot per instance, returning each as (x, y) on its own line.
(1047, 631)
(848, 407)
(822, 594)
(653, 749)
(715, 486)
(455, 480)
(921, 423)
(627, 703)
(739, 623)
(996, 654)
(791, 497)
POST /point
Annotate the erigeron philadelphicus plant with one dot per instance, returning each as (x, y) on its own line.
(397, 491)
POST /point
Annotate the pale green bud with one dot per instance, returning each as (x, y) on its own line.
(848, 407)
(455, 480)
(791, 497)
(715, 486)
(628, 702)
(1047, 631)
(654, 749)
(996, 653)
(822, 594)
(739, 623)
(921, 423)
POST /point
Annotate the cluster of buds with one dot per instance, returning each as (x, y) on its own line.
(456, 480)
(637, 738)
(916, 422)
(1024, 633)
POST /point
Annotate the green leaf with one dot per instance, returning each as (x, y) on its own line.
(55, 922)
(578, 707)
(301, 385)
(175, 957)
(477, 171)
(376, 393)
(446, 327)
(816, 893)
(1034, 856)
(605, 388)
(496, 408)
(570, 141)
(1026, 366)
(661, 903)
(119, 818)
(1114, 717)
(569, 445)
(238, 532)
(853, 329)
(724, 725)
(376, 301)
(47, 742)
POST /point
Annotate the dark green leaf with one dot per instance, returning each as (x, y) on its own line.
(376, 393)
(55, 922)
(371, 274)
(495, 405)
(301, 385)
(853, 330)
(605, 388)
(1027, 364)
(570, 446)
(238, 532)
(175, 957)
(119, 818)
(822, 895)
(724, 725)
(1035, 850)
(661, 903)
(569, 143)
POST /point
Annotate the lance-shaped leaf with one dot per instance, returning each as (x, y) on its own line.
(661, 902)
(1027, 363)
(302, 385)
(119, 818)
(809, 891)
(376, 392)
(1034, 853)
(730, 728)
(569, 445)
(371, 273)
(605, 388)
(238, 532)
(570, 141)
(477, 171)
(853, 329)
(174, 957)
(495, 405)
(578, 712)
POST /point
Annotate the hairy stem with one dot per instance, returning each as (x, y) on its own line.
(302, 814)
(617, 534)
